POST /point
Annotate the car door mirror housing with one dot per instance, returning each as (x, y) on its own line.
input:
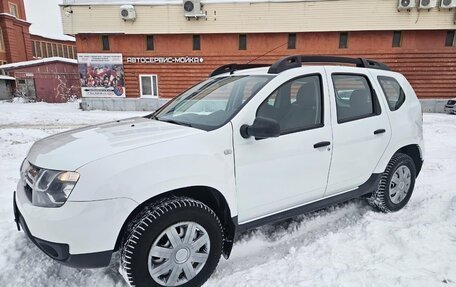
(262, 128)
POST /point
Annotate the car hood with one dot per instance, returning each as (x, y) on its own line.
(75, 148)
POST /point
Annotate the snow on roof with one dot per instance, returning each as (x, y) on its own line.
(55, 37)
(11, 15)
(35, 62)
(7, 78)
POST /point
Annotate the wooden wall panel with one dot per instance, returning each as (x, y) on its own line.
(422, 58)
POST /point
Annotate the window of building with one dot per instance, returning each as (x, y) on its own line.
(75, 51)
(54, 50)
(450, 39)
(150, 43)
(38, 49)
(393, 92)
(292, 41)
(296, 105)
(70, 52)
(354, 97)
(49, 49)
(343, 40)
(65, 51)
(148, 85)
(33, 49)
(196, 42)
(44, 50)
(242, 42)
(105, 42)
(2, 42)
(60, 50)
(397, 39)
(13, 9)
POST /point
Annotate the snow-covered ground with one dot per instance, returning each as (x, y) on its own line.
(345, 245)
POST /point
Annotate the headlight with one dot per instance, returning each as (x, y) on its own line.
(52, 188)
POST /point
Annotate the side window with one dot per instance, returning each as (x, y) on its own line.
(393, 92)
(354, 97)
(296, 105)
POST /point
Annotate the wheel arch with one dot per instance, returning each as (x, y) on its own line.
(414, 152)
(207, 195)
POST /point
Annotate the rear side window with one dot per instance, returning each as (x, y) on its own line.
(393, 92)
(355, 98)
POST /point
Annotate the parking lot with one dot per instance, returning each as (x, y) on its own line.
(344, 245)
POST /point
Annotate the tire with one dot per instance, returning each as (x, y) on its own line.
(393, 194)
(151, 257)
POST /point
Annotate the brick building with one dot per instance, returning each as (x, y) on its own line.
(16, 42)
(51, 81)
(164, 52)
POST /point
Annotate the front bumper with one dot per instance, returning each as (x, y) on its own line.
(450, 109)
(78, 234)
(61, 252)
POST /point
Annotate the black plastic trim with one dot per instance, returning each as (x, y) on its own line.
(231, 68)
(322, 144)
(296, 61)
(60, 251)
(368, 187)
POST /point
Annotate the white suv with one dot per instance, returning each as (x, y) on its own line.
(250, 145)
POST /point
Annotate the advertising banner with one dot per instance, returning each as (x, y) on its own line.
(102, 75)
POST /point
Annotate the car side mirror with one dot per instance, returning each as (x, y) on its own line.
(262, 128)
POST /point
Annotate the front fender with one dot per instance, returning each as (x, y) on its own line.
(143, 173)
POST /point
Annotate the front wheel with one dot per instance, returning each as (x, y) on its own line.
(396, 184)
(177, 242)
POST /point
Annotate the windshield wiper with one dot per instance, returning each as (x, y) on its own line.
(175, 122)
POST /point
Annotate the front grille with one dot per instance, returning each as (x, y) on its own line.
(451, 102)
(29, 173)
(28, 192)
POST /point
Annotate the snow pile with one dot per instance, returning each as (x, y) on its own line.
(344, 245)
(37, 62)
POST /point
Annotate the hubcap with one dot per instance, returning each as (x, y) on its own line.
(179, 253)
(400, 184)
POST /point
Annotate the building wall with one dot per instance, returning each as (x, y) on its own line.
(5, 90)
(46, 47)
(422, 57)
(16, 38)
(267, 17)
(55, 82)
(5, 8)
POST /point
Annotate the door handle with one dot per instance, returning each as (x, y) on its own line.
(321, 144)
(380, 131)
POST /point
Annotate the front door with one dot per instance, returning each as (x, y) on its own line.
(280, 173)
(361, 129)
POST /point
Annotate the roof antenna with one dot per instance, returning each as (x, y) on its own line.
(267, 53)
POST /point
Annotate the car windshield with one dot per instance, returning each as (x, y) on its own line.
(211, 103)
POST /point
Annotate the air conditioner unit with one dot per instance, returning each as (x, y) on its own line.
(428, 4)
(448, 4)
(406, 4)
(192, 9)
(128, 12)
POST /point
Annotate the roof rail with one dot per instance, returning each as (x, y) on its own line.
(296, 61)
(231, 68)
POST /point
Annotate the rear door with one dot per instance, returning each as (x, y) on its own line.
(361, 128)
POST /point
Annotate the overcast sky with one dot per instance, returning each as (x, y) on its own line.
(45, 18)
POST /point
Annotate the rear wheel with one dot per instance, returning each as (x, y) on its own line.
(175, 243)
(396, 184)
